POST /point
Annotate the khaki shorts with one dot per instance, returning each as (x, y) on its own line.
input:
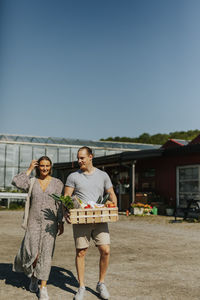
(98, 232)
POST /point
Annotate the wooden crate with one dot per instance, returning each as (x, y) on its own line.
(96, 215)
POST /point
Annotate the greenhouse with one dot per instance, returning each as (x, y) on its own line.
(17, 151)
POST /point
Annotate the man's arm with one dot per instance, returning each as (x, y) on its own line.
(112, 197)
(68, 191)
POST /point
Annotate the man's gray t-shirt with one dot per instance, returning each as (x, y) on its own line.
(88, 187)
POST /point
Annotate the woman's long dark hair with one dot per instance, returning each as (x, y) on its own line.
(39, 160)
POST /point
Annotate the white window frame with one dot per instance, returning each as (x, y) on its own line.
(177, 180)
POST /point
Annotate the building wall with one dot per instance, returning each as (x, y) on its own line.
(165, 173)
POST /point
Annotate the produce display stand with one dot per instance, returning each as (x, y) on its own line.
(95, 215)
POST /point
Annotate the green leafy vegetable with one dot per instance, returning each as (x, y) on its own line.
(66, 200)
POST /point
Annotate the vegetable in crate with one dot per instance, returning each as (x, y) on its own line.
(66, 201)
(103, 200)
(110, 205)
(76, 201)
(99, 200)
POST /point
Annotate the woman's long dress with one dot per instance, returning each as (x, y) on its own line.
(40, 235)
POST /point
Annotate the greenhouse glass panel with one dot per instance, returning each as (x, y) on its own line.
(1, 177)
(38, 152)
(25, 156)
(111, 152)
(10, 173)
(52, 153)
(74, 154)
(98, 152)
(64, 155)
(12, 155)
(2, 155)
(23, 169)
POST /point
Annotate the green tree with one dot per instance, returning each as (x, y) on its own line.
(157, 139)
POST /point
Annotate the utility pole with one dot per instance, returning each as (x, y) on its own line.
(133, 180)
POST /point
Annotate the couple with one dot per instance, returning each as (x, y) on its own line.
(36, 251)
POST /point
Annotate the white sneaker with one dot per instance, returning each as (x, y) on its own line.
(80, 294)
(43, 295)
(102, 290)
(33, 286)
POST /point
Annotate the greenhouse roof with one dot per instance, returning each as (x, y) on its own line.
(24, 139)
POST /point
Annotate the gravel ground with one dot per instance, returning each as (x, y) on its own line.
(151, 259)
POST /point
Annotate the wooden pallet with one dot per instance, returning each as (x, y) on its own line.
(96, 215)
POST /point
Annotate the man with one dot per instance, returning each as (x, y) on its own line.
(88, 183)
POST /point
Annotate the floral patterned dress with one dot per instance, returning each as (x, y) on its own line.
(40, 235)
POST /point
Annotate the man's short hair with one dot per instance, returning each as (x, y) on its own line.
(88, 149)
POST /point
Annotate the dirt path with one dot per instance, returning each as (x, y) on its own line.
(151, 259)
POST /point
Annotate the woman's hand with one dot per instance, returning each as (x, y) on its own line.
(60, 228)
(32, 166)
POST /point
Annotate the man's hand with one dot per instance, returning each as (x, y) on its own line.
(112, 197)
(60, 228)
(66, 215)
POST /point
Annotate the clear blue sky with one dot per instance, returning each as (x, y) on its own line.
(90, 69)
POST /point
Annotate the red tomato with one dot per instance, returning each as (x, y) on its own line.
(88, 206)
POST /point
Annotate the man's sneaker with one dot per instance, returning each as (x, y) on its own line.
(43, 295)
(33, 286)
(80, 294)
(102, 290)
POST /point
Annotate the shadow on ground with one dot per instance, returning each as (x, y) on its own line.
(65, 279)
(12, 278)
(59, 277)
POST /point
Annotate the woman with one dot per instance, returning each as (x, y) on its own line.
(44, 221)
